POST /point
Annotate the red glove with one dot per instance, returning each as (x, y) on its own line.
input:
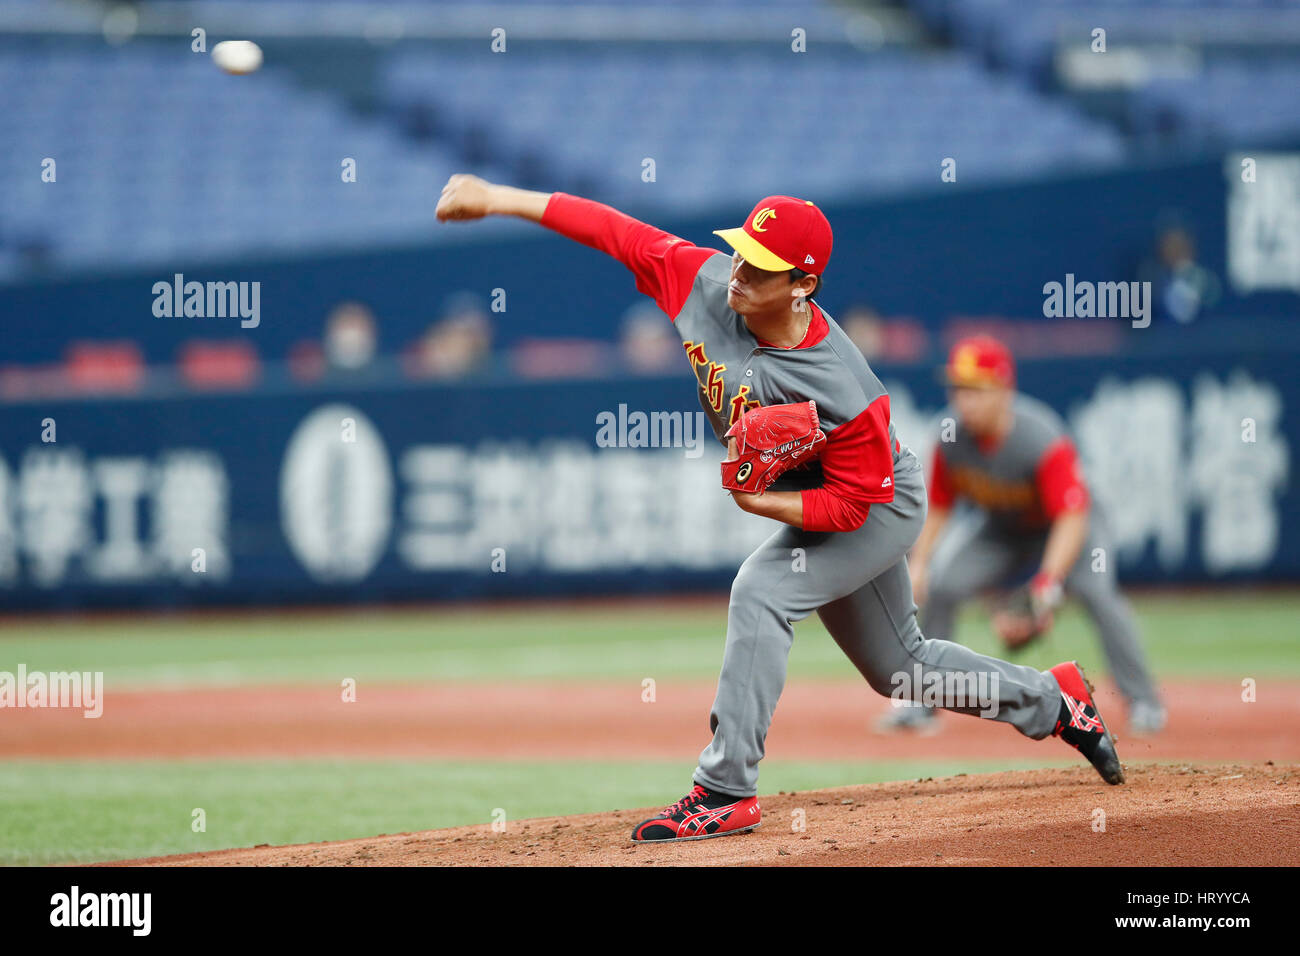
(770, 441)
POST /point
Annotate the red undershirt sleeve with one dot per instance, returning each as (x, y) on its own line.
(858, 468)
(665, 266)
(1060, 480)
(942, 494)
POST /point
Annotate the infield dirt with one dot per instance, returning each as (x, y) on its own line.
(1220, 786)
(1226, 815)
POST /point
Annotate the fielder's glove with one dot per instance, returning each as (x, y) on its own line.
(768, 442)
(1029, 612)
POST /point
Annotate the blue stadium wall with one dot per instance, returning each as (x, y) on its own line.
(418, 492)
(499, 489)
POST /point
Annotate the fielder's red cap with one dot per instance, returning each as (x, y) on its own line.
(783, 233)
(980, 361)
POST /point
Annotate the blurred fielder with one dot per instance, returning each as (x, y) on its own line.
(787, 392)
(1008, 499)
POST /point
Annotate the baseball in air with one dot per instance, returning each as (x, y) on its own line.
(237, 56)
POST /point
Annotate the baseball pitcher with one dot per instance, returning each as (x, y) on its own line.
(772, 369)
(1008, 499)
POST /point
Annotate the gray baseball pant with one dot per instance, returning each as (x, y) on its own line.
(973, 554)
(858, 584)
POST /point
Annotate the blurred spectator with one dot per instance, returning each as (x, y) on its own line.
(647, 342)
(1181, 289)
(863, 326)
(351, 337)
(884, 340)
(346, 351)
(457, 345)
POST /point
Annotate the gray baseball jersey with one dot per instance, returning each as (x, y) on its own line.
(863, 509)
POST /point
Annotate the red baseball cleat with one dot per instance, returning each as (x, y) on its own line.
(699, 815)
(1080, 725)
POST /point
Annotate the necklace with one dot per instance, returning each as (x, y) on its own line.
(807, 324)
(802, 335)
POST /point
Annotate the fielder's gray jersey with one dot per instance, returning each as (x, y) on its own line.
(1016, 488)
(1023, 481)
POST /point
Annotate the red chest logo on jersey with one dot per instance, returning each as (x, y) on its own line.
(709, 375)
(739, 405)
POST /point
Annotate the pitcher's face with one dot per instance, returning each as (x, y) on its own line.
(754, 291)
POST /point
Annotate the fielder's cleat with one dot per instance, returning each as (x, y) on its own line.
(1080, 725)
(1146, 718)
(699, 815)
(907, 717)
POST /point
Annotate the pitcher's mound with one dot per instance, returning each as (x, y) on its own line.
(1165, 815)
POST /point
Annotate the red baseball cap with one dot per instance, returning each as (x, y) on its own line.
(783, 233)
(980, 361)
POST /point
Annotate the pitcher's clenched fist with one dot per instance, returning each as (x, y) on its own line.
(464, 197)
(467, 197)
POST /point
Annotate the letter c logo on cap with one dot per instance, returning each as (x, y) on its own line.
(966, 362)
(762, 216)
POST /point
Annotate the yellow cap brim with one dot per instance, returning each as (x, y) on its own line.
(752, 251)
(982, 379)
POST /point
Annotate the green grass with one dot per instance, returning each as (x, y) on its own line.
(83, 811)
(94, 811)
(1186, 635)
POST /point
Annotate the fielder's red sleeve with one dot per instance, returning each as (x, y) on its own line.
(664, 265)
(858, 468)
(942, 493)
(1060, 480)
